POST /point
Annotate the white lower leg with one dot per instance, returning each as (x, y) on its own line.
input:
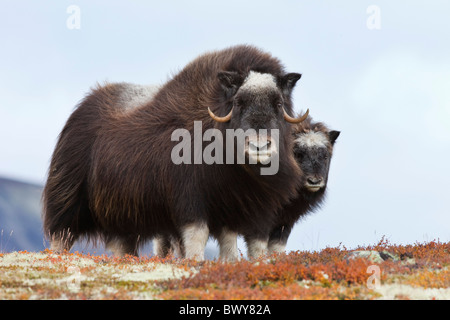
(160, 246)
(194, 237)
(228, 245)
(277, 247)
(256, 248)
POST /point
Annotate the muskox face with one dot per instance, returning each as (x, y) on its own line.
(258, 103)
(313, 150)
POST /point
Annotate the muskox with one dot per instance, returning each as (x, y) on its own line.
(313, 149)
(112, 175)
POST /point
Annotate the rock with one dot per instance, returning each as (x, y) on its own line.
(372, 255)
(388, 256)
(380, 256)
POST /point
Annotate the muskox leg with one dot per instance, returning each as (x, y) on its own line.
(194, 237)
(166, 245)
(161, 246)
(276, 247)
(256, 246)
(228, 245)
(278, 239)
(177, 247)
(121, 246)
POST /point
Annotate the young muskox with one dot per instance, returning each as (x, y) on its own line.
(313, 148)
(112, 174)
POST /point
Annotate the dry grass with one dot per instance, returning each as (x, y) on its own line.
(407, 272)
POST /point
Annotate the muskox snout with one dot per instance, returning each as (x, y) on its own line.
(314, 183)
(260, 148)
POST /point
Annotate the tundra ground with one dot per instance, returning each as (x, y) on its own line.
(381, 271)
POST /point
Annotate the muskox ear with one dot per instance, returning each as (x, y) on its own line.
(288, 81)
(230, 81)
(333, 135)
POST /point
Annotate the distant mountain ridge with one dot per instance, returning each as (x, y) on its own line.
(20, 216)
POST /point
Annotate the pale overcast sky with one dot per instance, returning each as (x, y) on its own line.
(378, 71)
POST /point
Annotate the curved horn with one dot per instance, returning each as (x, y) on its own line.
(220, 119)
(289, 119)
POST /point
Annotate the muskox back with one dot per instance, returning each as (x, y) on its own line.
(112, 175)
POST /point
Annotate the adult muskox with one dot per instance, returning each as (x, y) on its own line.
(112, 173)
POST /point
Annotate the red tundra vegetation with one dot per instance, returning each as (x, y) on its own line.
(326, 274)
(331, 273)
